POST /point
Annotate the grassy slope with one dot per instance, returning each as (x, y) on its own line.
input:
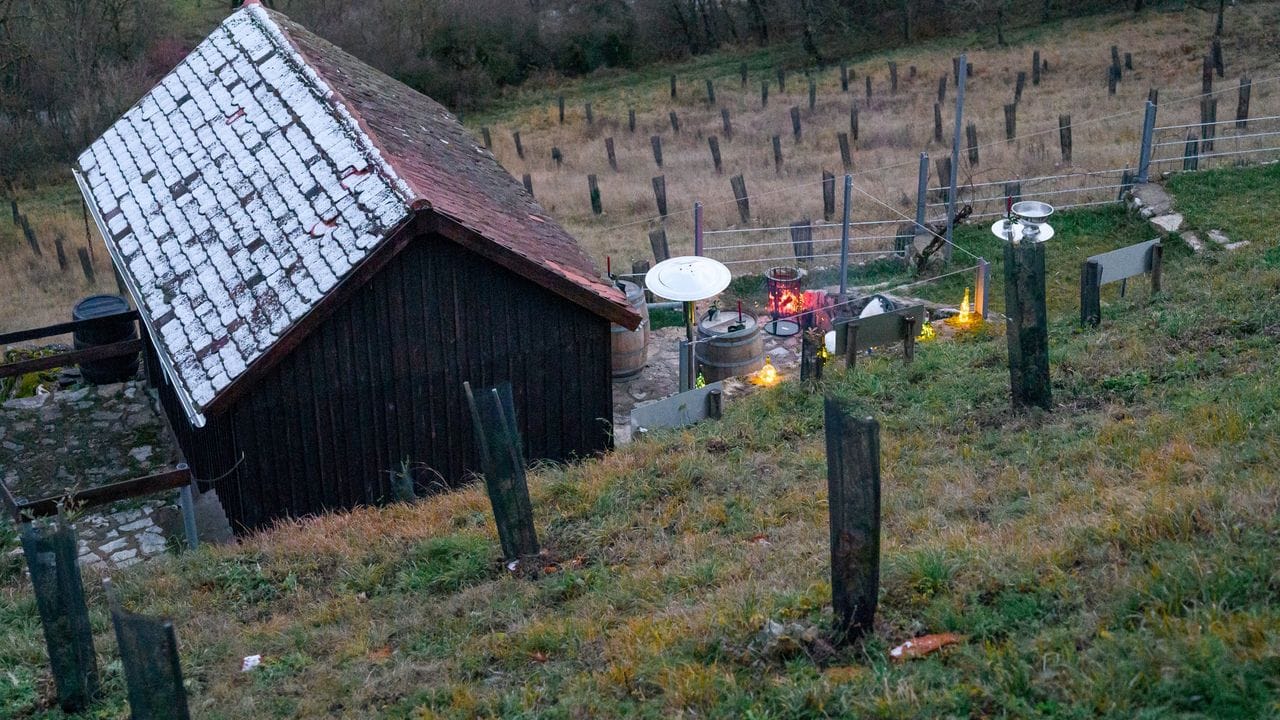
(1117, 557)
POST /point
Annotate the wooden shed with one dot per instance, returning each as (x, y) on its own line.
(321, 257)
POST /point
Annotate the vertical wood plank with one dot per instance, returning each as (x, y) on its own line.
(853, 501)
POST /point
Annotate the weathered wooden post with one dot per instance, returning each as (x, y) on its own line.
(594, 188)
(777, 154)
(673, 86)
(937, 123)
(714, 143)
(1035, 68)
(922, 191)
(560, 104)
(971, 135)
(844, 77)
(1242, 106)
(943, 166)
(591, 118)
(802, 239)
(711, 92)
(962, 72)
(1010, 121)
(13, 208)
(1191, 153)
(742, 72)
(608, 149)
(1148, 137)
(868, 79)
(1113, 78)
(813, 93)
(1090, 293)
(675, 121)
(739, 186)
(527, 179)
(660, 194)
(764, 94)
(893, 78)
(658, 241)
(810, 357)
(853, 121)
(782, 79)
(519, 147)
(1019, 86)
(942, 89)
(1208, 122)
(1128, 61)
(557, 156)
(655, 142)
(844, 235)
(488, 139)
(152, 668)
(51, 552)
(1027, 325)
(493, 416)
(86, 264)
(715, 404)
(828, 195)
(1216, 53)
(846, 157)
(1206, 76)
(59, 247)
(853, 500)
(726, 124)
(32, 240)
(631, 119)
(1064, 137)
(795, 123)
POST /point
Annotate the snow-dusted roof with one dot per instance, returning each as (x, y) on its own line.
(245, 187)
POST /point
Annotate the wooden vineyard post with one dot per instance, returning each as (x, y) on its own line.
(937, 123)
(943, 165)
(853, 500)
(802, 239)
(1242, 106)
(828, 195)
(560, 104)
(846, 157)
(1157, 268)
(893, 78)
(658, 241)
(777, 154)
(1090, 294)
(971, 136)
(59, 247)
(795, 122)
(1035, 68)
(631, 120)
(655, 142)
(1010, 121)
(152, 668)
(86, 263)
(851, 348)
(608, 149)
(868, 79)
(739, 185)
(844, 77)
(942, 89)
(726, 123)
(1019, 86)
(594, 188)
(13, 208)
(488, 139)
(660, 194)
(1191, 153)
(519, 146)
(715, 404)
(1064, 137)
(764, 94)
(813, 94)
(1216, 53)
(711, 92)
(742, 73)
(782, 79)
(51, 552)
(1027, 325)
(714, 144)
(557, 156)
(494, 419)
(853, 121)
(1208, 122)
(675, 121)
(1206, 76)
(673, 86)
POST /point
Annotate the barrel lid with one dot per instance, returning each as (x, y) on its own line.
(99, 306)
(719, 325)
(688, 278)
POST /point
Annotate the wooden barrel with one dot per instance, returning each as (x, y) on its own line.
(728, 352)
(630, 347)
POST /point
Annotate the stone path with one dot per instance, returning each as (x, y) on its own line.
(1157, 205)
(80, 438)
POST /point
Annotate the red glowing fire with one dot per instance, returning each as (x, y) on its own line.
(805, 307)
(785, 302)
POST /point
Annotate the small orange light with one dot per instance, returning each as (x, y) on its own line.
(767, 375)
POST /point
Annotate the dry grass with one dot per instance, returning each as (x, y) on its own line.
(1167, 48)
(35, 290)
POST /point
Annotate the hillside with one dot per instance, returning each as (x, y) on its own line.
(1116, 557)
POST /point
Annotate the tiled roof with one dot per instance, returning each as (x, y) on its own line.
(258, 174)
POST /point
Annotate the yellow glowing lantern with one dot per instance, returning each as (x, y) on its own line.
(927, 332)
(767, 375)
(966, 309)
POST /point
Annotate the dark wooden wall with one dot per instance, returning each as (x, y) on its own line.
(380, 382)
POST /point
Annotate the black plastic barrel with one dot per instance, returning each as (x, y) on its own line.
(110, 370)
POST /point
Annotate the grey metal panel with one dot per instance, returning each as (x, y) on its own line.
(676, 411)
(882, 329)
(1125, 262)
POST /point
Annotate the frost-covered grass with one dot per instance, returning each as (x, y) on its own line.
(1117, 557)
